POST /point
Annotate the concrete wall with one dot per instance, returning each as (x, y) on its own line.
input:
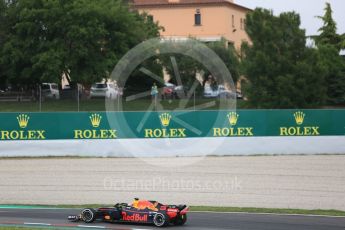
(177, 147)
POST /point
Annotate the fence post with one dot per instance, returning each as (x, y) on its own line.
(118, 102)
(78, 98)
(194, 100)
(40, 97)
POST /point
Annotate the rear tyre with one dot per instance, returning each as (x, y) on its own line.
(181, 220)
(159, 220)
(88, 215)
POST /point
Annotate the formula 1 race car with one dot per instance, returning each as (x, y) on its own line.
(140, 212)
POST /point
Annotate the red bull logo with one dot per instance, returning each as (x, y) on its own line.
(135, 217)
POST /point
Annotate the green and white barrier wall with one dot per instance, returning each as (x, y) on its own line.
(187, 133)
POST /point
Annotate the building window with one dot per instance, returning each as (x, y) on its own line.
(197, 18)
(233, 21)
(242, 26)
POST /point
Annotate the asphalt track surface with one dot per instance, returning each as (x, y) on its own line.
(54, 218)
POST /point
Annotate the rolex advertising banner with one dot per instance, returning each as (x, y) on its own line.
(184, 124)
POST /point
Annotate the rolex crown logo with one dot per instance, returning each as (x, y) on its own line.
(233, 118)
(23, 120)
(165, 119)
(95, 120)
(299, 117)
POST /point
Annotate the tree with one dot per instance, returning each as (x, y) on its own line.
(3, 7)
(335, 77)
(138, 81)
(329, 44)
(328, 32)
(229, 57)
(82, 39)
(188, 67)
(2, 20)
(282, 71)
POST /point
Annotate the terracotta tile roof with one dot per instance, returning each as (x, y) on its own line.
(143, 3)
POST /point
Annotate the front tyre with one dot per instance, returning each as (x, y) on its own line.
(159, 220)
(88, 215)
(180, 220)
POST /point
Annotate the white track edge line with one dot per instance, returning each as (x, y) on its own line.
(42, 224)
(263, 213)
(91, 226)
